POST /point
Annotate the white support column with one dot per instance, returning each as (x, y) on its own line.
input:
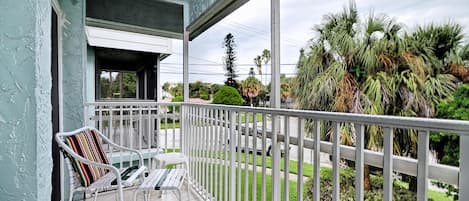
(275, 52)
(185, 53)
(275, 95)
(185, 81)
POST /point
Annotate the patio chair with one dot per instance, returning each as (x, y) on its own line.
(89, 167)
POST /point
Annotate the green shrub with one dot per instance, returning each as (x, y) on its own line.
(347, 187)
(204, 95)
(228, 96)
(176, 100)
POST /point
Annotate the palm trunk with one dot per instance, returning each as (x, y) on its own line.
(366, 178)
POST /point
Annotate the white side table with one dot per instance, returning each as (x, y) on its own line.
(162, 180)
(162, 160)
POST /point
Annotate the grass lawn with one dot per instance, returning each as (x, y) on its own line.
(178, 125)
(308, 172)
(169, 126)
(250, 117)
(220, 185)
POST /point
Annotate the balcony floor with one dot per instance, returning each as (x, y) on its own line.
(155, 196)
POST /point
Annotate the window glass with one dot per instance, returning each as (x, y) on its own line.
(117, 84)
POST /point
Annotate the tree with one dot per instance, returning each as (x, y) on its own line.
(371, 68)
(266, 56)
(199, 90)
(285, 87)
(166, 86)
(176, 90)
(228, 96)
(263, 58)
(229, 61)
(214, 88)
(258, 63)
(251, 87)
(446, 145)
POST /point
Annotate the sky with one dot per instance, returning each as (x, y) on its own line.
(250, 26)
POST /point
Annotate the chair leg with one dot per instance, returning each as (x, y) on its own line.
(135, 194)
(179, 195)
(146, 196)
(121, 193)
(95, 195)
(186, 167)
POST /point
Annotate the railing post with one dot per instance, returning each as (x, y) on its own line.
(301, 134)
(360, 161)
(387, 169)
(336, 162)
(422, 165)
(232, 192)
(317, 159)
(464, 167)
(276, 187)
(286, 164)
(182, 128)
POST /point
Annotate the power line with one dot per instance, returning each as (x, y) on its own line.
(254, 29)
(244, 32)
(217, 74)
(201, 64)
(198, 58)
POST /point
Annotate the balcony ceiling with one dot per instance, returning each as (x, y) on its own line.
(159, 17)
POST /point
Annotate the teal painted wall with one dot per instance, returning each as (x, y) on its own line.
(74, 63)
(25, 102)
(74, 69)
(197, 7)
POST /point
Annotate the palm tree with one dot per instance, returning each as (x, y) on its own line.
(373, 68)
(251, 87)
(285, 87)
(266, 57)
(258, 63)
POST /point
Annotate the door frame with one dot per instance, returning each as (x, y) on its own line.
(60, 21)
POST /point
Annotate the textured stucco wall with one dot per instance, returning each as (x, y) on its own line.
(197, 7)
(74, 62)
(25, 107)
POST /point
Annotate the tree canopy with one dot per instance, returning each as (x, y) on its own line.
(229, 61)
(373, 66)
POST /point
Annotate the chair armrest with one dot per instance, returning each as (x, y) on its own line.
(140, 156)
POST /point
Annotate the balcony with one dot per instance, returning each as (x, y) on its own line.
(224, 142)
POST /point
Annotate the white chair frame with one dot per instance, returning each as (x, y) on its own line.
(59, 137)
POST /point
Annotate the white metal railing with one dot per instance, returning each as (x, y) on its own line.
(220, 140)
(217, 138)
(147, 126)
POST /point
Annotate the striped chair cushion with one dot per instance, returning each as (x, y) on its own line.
(88, 145)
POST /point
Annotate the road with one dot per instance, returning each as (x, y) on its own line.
(293, 132)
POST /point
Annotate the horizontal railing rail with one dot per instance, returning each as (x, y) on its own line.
(442, 125)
